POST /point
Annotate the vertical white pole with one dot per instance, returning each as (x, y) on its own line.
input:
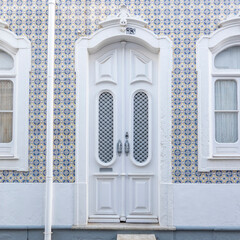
(49, 142)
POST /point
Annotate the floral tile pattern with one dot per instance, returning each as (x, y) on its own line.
(183, 21)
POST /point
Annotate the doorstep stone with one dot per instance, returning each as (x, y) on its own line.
(136, 237)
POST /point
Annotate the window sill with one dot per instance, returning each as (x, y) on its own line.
(13, 163)
(219, 163)
(8, 158)
(224, 158)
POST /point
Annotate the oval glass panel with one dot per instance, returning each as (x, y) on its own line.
(140, 127)
(228, 58)
(105, 127)
(6, 61)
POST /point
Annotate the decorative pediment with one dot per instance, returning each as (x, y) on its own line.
(232, 20)
(9, 41)
(3, 24)
(123, 19)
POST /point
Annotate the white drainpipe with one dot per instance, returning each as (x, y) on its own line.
(49, 142)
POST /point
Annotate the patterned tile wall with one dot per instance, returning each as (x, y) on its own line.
(183, 21)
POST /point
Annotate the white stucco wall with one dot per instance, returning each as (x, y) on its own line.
(206, 205)
(23, 204)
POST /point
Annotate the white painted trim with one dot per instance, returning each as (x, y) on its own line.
(207, 48)
(19, 48)
(82, 138)
(230, 21)
(111, 33)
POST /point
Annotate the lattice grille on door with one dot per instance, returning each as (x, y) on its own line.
(140, 127)
(105, 127)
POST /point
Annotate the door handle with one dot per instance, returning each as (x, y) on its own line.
(119, 147)
(127, 145)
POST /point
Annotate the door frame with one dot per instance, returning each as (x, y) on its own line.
(119, 29)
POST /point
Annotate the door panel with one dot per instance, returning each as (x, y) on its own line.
(123, 87)
(141, 123)
(106, 67)
(106, 195)
(140, 186)
(104, 117)
(140, 67)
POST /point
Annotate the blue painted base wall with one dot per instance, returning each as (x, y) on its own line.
(67, 234)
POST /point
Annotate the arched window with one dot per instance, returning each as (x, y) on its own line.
(218, 66)
(14, 78)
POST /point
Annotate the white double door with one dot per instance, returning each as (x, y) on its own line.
(123, 120)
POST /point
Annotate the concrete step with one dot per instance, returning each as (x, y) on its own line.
(136, 237)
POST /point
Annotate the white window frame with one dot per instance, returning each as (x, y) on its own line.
(14, 155)
(213, 155)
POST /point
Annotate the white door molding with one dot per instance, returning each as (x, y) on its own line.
(122, 27)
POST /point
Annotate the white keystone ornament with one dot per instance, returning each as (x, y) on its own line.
(124, 13)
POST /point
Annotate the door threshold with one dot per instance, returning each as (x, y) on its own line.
(123, 226)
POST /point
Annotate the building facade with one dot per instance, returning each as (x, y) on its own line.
(146, 118)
